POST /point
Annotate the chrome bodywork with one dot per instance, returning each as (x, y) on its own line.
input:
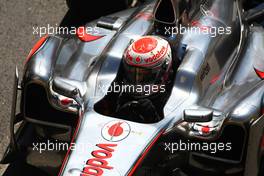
(235, 97)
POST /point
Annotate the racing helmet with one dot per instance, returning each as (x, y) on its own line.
(147, 62)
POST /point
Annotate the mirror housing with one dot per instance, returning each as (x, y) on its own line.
(61, 86)
(198, 115)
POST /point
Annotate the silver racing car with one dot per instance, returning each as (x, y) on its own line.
(169, 87)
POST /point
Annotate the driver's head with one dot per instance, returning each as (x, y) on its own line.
(147, 63)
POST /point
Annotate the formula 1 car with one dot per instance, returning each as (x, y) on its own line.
(212, 120)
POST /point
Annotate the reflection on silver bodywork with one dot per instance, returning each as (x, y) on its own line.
(216, 74)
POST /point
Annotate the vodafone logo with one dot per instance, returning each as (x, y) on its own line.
(115, 131)
(97, 165)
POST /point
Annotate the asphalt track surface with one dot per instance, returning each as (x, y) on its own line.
(17, 18)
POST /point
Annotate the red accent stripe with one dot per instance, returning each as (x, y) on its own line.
(69, 149)
(262, 111)
(199, 25)
(259, 73)
(205, 129)
(85, 37)
(262, 143)
(144, 15)
(36, 47)
(214, 79)
(139, 161)
(66, 101)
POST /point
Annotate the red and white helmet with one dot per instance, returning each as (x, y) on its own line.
(147, 61)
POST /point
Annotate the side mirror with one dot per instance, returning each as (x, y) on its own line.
(61, 86)
(198, 115)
